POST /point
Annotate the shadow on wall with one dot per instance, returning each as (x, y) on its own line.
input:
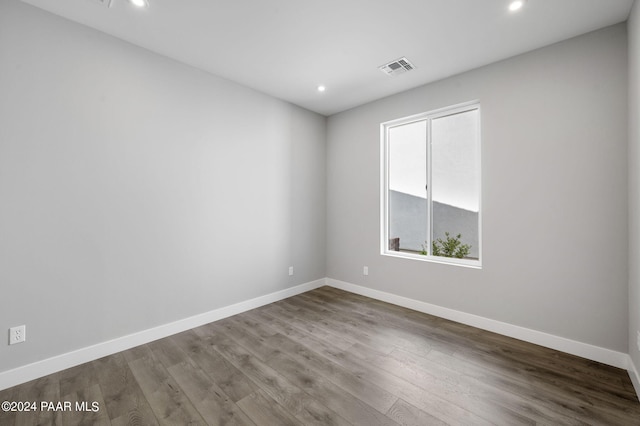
(407, 217)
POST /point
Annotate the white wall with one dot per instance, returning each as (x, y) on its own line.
(633, 26)
(554, 129)
(136, 191)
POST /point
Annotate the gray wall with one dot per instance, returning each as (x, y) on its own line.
(136, 191)
(408, 215)
(634, 182)
(554, 175)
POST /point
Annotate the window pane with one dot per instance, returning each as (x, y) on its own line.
(455, 178)
(407, 174)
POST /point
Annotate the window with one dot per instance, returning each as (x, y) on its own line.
(431, 186)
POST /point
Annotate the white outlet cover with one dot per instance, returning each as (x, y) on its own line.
(17, 334)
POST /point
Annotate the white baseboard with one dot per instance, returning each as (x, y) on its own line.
(635, 377)
(48, 366)
(51, 365)
(584, 350)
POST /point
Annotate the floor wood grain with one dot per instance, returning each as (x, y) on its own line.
(328, 357)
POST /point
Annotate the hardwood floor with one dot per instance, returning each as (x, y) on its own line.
(328, 357)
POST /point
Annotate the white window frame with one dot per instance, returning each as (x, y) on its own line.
(384, 184)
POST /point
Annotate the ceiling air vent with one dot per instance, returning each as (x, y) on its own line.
(106, 3)
(397, 67)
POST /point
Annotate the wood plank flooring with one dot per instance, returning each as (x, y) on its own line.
(329, 357)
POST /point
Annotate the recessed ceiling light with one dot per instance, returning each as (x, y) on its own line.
(139, 3)
(516, 5)
(321, 88)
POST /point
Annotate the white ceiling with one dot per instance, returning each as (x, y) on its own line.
(286, 48)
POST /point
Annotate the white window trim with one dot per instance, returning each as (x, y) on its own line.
(384, 184)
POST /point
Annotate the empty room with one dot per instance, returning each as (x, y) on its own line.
(285, 212)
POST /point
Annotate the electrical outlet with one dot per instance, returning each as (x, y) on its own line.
(365, 270)
(290, 270)
(17, 334)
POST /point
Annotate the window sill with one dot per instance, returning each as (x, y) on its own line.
(465, 263)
